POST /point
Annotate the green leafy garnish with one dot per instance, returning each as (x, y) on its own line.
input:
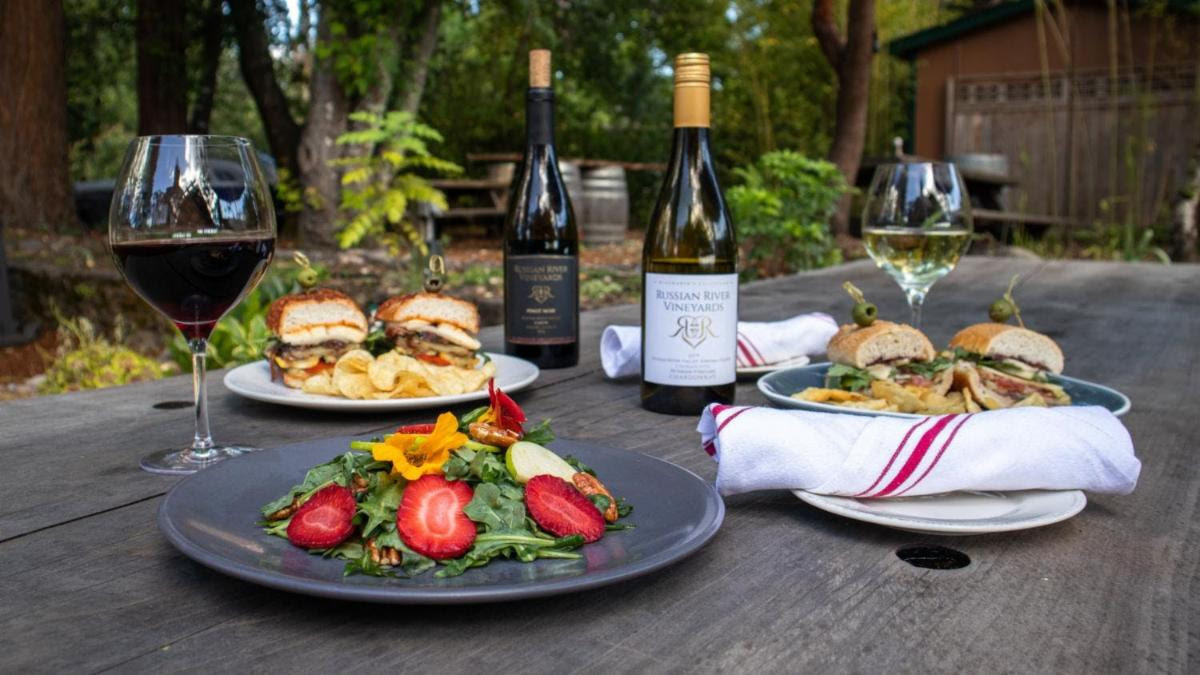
(378, 343)
(849, 378)
(928, 369)
(541, 434)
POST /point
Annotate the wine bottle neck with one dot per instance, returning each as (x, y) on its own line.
(690, 150)
(539, 116)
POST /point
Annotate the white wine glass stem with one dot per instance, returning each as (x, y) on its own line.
(916, 300)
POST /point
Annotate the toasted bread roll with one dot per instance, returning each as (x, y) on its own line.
(1003, 341)
(882, 341)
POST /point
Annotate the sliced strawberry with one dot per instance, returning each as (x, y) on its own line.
(431, 519)
(324, 520)
(560, 509)
(416, 429)
(508, 414)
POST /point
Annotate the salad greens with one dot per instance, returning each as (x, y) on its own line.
(849, 378)
(504, 529)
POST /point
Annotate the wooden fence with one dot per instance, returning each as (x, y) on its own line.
(1075, 141)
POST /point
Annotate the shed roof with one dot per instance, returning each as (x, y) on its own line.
(910, 45)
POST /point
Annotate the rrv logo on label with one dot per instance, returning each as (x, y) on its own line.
(694, 330)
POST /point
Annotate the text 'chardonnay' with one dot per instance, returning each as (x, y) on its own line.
(689, 267)
(541, 242)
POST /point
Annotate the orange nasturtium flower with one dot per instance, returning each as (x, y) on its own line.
(414, 455)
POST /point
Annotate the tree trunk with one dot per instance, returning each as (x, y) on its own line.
(850, 58)
(258, 70)
(327, 119)
(213, 33)
(423, 49)
(162, 83)
(35, 188)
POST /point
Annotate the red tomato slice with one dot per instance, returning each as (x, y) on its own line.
(319, 368)
(434, 359)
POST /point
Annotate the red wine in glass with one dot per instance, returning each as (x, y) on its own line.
(194, 282)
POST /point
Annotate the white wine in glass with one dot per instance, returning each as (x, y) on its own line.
(916, 225)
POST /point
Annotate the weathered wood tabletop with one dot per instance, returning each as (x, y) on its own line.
(87, 583)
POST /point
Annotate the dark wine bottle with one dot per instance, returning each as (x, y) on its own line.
(541, 242)
(689, 267)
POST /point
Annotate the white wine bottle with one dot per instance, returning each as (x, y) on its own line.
(541, 241)
(689, 267)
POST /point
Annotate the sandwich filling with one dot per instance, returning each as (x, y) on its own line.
(306, 360)
(1013, 380)
(903, 371)
(439, 344)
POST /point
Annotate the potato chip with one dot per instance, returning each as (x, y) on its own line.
(906, 399)
(355, 361)
(384, 371)
(819, 395)
(870, 404)
(320, 384)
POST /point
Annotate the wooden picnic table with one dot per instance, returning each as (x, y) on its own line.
(88, 583)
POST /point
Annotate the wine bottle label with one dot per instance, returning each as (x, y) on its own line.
(541, 299)
(690, 336)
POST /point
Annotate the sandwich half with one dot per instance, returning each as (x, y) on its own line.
(436, 329)
(885, 351)
(312, 331)
(1004, 365)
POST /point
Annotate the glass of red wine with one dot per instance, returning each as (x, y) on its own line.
(192, 229)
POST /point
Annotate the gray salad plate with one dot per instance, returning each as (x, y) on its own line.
(211, 517)
(781, 384)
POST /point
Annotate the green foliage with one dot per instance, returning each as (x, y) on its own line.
(782, 211)
(378, 187)
(242, 334)
(86, 360)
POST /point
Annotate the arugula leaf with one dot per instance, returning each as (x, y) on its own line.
(985, 361)
(617, 527)
(849, 378)
(541, 434)
(378, 343)
(578, 465)
(488, 468)
(601, 502)
(493, 509)
(381, 503)
(928, 369)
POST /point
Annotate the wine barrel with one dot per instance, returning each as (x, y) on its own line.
(605, 215)
(573, 180)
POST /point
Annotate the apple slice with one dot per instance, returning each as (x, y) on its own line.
(526, 460)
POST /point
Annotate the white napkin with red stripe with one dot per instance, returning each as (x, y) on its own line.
(1064, 448)
(760, 343)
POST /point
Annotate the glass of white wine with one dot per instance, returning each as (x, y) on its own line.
(916, 225)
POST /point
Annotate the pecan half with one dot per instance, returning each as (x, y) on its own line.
(589, 485)
(287, 511)
(359, 485)
(383, 555)
(492, 434)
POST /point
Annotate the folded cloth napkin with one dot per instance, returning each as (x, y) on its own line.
(1069, 447)
(760, 343)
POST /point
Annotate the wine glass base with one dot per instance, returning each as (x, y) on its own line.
(181, 462)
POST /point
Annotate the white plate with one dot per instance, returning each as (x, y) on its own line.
(770, 368)
(253, 380)
(957, 512)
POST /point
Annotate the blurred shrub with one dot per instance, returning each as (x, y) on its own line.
(86, 360)
(379, 185)
(241, 336)
(782, 212)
